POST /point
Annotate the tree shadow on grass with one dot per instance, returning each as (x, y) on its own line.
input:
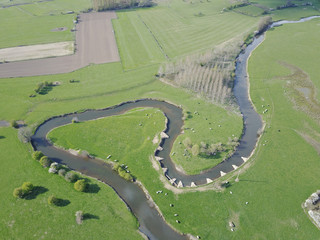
(88, 216)
(93, 188)
(45, 90)
(2, 137)
(62, 202)
(37, 190)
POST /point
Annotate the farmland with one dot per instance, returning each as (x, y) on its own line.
(283, 171)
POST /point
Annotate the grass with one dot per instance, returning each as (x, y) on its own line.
(137, 45)
(32, 24)
(250, 10)
(284, 171)
(176, 29)
(110, 135)
(34, 218)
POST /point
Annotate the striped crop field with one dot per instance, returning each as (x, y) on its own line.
(147, 36)
(135, 42)
(198, 28)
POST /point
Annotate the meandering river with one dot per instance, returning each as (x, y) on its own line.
(151, 223)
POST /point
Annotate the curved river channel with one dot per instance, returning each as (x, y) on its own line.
(151, 223)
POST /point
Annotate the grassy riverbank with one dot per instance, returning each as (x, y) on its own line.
(109, 136)
(35, 218)
(284, 171)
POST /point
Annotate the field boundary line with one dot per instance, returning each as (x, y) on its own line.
(158, 43)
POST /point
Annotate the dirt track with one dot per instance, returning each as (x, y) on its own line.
(95, 43)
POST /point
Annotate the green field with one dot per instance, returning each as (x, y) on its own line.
(34, 218)
(32, 24)
(283, 172)
(110, 136)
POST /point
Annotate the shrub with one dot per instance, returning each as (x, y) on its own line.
(195, 150)
(122, 172)
(27, 187)
(70, 177)
(18, 192)
(125, 175)
(54, 167)
(187, 142)
(24, 134)
(52, 200)
(75, 120)
(62, 172)
(37, 155)
(14, 124)
(264, 23)
(45, 161)
(80, 185)
(79, 217)
(116, 166)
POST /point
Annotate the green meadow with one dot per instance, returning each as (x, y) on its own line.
(282, 173)
(32, 23)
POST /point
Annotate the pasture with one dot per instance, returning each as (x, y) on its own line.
(283, 171)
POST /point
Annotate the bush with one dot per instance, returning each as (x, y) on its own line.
(264, 23)
(125, 175)
(52, 200)
(24, 134)
(45, 161)
(70, 177)
(37, 155)
(14, 124)
(187, 142)
(62, 172)
(195, 150)
(122, 172)
(80, 185)
(116, 166)
(27, 187)
(79, 217)
(18, 192)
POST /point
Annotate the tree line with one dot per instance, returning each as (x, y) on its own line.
(210, 74)
(101, 5)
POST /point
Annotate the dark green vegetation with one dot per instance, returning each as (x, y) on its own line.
(101, 5)
(284, 170)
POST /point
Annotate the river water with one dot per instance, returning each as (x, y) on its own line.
(151, 224)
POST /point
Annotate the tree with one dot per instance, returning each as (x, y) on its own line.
(14, 124)
(70, 177)
(52, 200)
(80, 185)
(27, 187)
(18, 192)
(187, 142)
(79, 217)
(195, 150)
(24, 134)
(45, 161)
(37, 155)
(62, 172)
(264, 23)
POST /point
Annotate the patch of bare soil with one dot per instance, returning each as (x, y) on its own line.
(155, 139)
(36, 51)
(95, 48)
